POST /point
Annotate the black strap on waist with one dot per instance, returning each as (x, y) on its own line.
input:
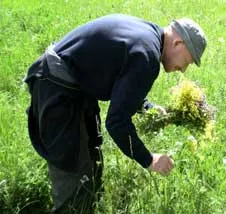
(40, 70)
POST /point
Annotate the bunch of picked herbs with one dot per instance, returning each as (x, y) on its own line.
(188, 108)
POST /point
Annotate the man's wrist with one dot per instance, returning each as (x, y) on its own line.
(148, 105)
(151, 160)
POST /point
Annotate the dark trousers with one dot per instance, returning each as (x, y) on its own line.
(64, 129)
(77, 192)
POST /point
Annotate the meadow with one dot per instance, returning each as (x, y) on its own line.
(197, 184)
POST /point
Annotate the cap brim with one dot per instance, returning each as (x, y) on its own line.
(198, 63)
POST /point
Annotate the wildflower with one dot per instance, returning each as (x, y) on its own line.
(192, 143)
(224, 161)
(221, 39)
(201, 157)
(84, 179)
(203, 145)
(3, 182)
(192, 138)
(209, 130)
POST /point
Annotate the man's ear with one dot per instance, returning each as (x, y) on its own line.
(177, 41)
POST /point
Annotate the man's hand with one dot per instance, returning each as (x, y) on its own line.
(161, 164)
(160, 109)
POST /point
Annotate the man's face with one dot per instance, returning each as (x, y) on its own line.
(177, 57)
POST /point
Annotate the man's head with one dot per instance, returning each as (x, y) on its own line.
(184, 44)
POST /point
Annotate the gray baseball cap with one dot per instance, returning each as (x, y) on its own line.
(193, 37)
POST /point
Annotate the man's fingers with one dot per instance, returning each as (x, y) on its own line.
(165, 172)
(162, 164)
(170, 164)
(161, 110)
(167, 168)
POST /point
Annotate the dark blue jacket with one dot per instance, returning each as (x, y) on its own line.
(116, 58)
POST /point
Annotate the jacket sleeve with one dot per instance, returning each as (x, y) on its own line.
(128, 93)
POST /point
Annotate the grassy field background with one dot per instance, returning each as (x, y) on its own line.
(198, 182)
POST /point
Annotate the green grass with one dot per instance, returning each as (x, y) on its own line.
(198, 182)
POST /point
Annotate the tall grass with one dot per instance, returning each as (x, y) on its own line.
(198, 182)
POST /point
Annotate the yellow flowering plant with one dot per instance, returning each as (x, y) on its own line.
(188, 108)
